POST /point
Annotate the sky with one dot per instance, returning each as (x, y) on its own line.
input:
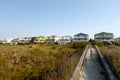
(22, 18)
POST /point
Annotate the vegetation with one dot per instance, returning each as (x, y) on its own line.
(112, 55)
(39, 62)
(33, 40)
(117, 41)
(77, 45)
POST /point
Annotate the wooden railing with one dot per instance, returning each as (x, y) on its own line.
(76, 73)
(106, 66)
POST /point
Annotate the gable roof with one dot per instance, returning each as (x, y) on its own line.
(81, 34)
(103, 33)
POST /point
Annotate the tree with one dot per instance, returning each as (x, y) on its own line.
(33, 40)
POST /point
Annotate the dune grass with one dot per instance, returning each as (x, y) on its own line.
(38, 62)
(112, 55)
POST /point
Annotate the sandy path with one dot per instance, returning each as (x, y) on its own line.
(92, 69)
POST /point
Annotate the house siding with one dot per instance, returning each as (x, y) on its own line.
(81, 37)
(65, 40)
(53, 39)
(104, 36)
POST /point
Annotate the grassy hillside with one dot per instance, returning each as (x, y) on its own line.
(39, 62)
(112, 55)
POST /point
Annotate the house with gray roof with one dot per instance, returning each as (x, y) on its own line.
(104, 36)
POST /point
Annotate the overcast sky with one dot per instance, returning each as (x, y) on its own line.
(21, 18)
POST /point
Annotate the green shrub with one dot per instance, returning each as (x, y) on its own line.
(78, 45)
(99, 44)
(54, 47)
(112, 46)
(37, 51)
(1, 43)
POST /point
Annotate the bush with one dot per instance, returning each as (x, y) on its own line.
(112, 56)
(99, 44)
(38, 62)
(112, 46)
(54, 47)
(1, 43)
(78, 45)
